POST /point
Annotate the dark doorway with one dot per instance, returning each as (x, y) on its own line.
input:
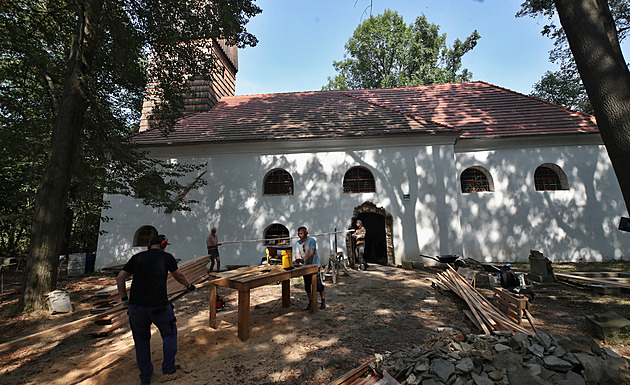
(375, 242)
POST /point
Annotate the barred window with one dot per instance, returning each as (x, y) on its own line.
(143, 235)
(275, 231)
(550, 177)
(278, 182)
(476, 179)
(358, 180)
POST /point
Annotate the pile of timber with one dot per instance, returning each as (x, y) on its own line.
(483, 313)
(107, 301)
(603, 278)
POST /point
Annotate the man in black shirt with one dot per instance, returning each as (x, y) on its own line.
(148, 304)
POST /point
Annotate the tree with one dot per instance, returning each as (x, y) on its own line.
(385, 52)
(76, 70)
(564, 86)
(593, 38)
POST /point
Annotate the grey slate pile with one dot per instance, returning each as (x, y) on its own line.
(455, 359)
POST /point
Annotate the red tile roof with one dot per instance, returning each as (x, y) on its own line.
(475, 109)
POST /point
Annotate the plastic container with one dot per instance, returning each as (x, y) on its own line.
(494, 279)
(59, 302)
(76, 264)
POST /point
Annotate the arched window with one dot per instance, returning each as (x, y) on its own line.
(278, 182)
(358, 180)
(275, 231)
(143, 235)
(149, 185)
(476, 179)
(550, 177)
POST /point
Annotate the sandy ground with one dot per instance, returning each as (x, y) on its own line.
(382, 309)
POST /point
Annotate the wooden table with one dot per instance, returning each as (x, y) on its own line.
(246, 278)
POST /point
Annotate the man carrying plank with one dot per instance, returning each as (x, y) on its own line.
(149, 304)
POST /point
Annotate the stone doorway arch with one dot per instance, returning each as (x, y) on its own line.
(370, 211)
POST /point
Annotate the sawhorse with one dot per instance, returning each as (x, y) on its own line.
(336, 264)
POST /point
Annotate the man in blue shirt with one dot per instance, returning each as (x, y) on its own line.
(306, 249)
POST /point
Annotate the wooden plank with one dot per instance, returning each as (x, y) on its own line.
(515, 298)
(53, 330)
(109, 319)
(314, 292)
(530, 319)
(353, 374)
(482, 309)
(212, 321)
(286, 293)
(472, 318)
(602, 281)
(243, 314)
(616, 275)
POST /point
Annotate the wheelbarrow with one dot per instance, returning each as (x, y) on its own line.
(455, 259)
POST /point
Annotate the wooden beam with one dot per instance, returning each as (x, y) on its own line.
(602, 281)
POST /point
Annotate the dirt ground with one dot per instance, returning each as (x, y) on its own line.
(382, 309)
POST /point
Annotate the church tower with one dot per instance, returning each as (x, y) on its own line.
(204, 94)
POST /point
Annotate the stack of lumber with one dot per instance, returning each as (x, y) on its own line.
(605, 278)
(363, 375)
(482, 312)
(108, 299)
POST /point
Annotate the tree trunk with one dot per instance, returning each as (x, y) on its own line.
(49, 221)
(592, 37)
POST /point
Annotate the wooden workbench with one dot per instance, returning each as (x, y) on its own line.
(246, 278)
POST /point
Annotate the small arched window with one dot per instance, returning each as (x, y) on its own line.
(550, 177)
(358, 180)
(143, 235)
(274, 232)
(278, 182)
(476, 179)
(149, 186)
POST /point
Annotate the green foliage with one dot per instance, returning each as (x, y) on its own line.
(385, 52)
(122, 36)
(564, 87)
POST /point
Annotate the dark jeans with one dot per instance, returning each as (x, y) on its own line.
(140, 320)
(359, 250)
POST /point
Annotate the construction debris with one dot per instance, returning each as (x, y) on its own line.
(483, 313)
(456, 359)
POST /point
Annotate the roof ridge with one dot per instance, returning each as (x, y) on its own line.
(349, 90)
(446, 126)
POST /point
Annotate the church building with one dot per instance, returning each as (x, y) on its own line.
(463, 168)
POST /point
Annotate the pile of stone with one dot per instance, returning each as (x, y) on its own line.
(503, 358)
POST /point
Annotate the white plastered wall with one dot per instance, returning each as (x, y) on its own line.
(232, 200)
(578, 224)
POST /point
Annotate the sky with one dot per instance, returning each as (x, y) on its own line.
(300, 39)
